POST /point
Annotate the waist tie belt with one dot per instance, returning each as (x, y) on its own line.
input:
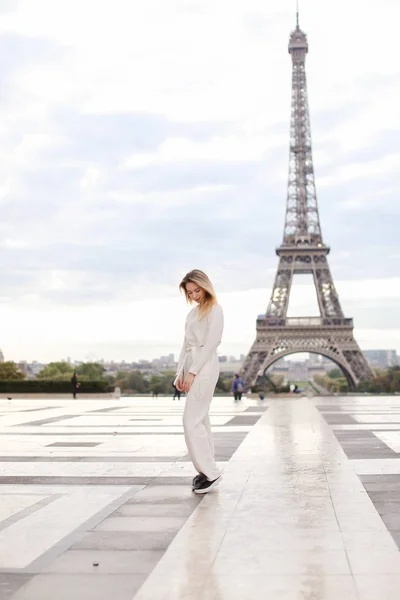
(188, 349)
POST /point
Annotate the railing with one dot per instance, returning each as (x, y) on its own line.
(304, 321)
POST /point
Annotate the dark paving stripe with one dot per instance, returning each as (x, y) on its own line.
(142, 419)
(168, 508)
(105, 433)
(92, 586)
(384, 491)
(116, 459)
(76, 433)
(36, 409)
(384, 478)
(60, 480)
(73, 444)
(225, 445)
(243, 420)
(108, 561)
(256, 409)
(150, 426)
(46, 421)
(10, 583)
(111, 409)
(363, 444)
(339, 419)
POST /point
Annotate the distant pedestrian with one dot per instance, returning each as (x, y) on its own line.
(237, 387)
(75, 384)
(177, 393)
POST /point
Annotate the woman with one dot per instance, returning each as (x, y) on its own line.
(197, 375)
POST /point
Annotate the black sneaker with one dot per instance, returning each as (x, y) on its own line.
(206, 486)
(198, 479)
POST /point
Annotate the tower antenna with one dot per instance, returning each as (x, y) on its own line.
(297, 14)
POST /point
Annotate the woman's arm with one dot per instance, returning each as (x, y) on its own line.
(213, 339)
(181, 356)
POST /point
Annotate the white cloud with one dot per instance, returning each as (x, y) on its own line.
(97, 204)
(139, 328)
(237, 147)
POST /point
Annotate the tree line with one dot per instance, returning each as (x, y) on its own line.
(385, 382)
(133, 382)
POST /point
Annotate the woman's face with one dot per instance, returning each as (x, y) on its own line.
(195, 292)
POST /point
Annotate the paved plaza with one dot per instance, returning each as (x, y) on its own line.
(96, 501)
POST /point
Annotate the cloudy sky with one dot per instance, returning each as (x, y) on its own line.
(141, 139)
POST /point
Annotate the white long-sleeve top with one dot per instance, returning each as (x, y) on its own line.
(204, 334)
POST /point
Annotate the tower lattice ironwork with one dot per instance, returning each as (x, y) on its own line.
(303, 251)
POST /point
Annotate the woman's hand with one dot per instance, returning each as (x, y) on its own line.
(179, 384)
(187, 384)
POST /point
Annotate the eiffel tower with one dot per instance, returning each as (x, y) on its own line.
(303, 251)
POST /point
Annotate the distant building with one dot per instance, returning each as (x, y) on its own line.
(230, 367)
(382, 359)
(1, 356)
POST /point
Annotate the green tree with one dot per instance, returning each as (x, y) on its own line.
(132, 381)
(335, 374)
(91, 371)
(9, 370)
(161, 384)
(224, 384)
(56, 370)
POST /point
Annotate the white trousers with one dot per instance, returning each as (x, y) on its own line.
(196, 420)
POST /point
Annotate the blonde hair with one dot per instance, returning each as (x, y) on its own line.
(199, 278)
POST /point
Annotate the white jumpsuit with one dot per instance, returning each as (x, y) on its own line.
(199, 356)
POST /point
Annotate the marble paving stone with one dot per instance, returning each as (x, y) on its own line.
(339, 419)
(375, 560)
(117, 561)
(135, 524)
(125, 540)
(311, 586)
(78, 480)
(360, 540)
(104, 459)
(329, 562)
(166, 493)
(307, 495)
(13, 504)
(387, 507)
(192, 500)
(382, 587)
(383, 486)
(377, 478)
(392, 520)
(88, 587)
(396, 537)
(384, 496)
(26, 540)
